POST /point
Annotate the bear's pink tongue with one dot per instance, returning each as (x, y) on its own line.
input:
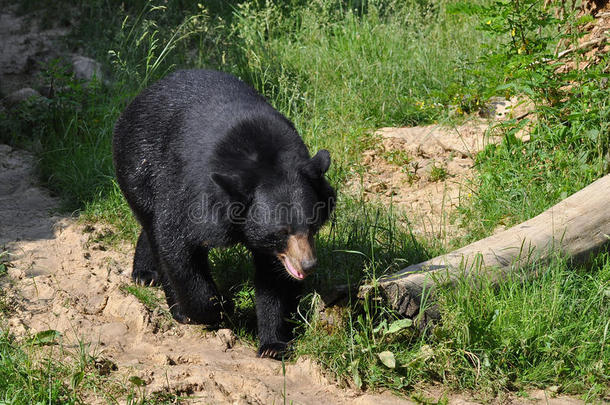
(292, 270)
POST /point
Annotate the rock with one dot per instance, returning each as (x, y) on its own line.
(495, 108)
(86, 68)
(226, 337)
(21, 95)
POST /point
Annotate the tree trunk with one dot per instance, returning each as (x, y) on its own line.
(576, 227)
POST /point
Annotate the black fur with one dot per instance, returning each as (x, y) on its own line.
(204, 162)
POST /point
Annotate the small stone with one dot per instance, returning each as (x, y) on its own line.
(227, 337)
(86, 68)
(104, 366)
(496, 108)
(21, 95)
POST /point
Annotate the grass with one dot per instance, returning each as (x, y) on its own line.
(438, 173)
(24, 381)
(145, 295)
(30, 372)
(549, 331)
(340, 69)
(552, 330)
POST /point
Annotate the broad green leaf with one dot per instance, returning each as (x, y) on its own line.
(46, 337)
(399, 325)
(387, 358)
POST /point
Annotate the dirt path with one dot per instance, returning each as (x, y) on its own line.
(426, 172)
(62, 279)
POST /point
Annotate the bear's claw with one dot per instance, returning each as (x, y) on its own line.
(276, 351)
(147, 279)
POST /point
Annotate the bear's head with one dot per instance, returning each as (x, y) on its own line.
(284, 211)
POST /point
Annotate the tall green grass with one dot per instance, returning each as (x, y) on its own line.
(551, 330)
(339, 72)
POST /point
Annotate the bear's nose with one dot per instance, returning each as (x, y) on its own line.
(308, 265)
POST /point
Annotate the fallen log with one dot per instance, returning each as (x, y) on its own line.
(576, 227)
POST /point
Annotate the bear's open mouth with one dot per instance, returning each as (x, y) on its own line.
(290, 269)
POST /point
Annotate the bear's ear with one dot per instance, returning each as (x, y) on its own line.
(229, 184)
(318, 165)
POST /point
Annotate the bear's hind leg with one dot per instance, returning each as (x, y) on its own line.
(276, 299)
(190, 290)
(145, 269)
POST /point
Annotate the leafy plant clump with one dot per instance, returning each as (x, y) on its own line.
(569, 139)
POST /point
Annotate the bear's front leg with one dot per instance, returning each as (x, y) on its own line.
(276, 298)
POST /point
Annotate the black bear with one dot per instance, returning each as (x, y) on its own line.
(204, 161)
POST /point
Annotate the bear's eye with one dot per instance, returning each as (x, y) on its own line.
(277, 236)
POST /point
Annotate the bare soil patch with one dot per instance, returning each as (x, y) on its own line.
(427, 171)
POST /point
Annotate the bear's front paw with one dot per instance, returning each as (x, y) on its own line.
(276, 350)
(146, 278)
(178, 315)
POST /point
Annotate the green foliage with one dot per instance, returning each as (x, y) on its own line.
(549, 330)
(398, 157)
(570, 134)
(22, 381)
(5, 304)
(4, 262)
(438, 173)
(337, 71)
(146, 295)
(142, 45)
